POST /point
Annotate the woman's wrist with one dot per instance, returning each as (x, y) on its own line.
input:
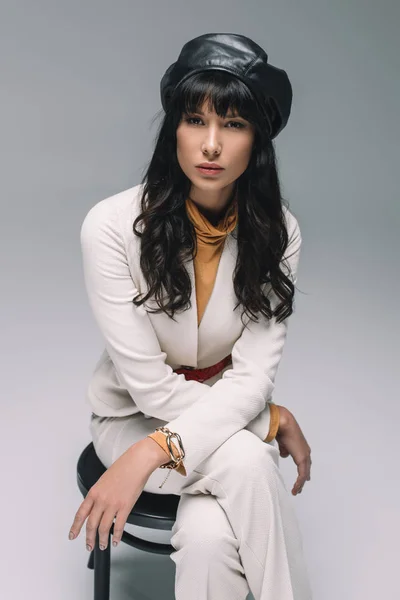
(152, 455)
(284, 418)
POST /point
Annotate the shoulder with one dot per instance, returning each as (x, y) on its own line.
(113, 212)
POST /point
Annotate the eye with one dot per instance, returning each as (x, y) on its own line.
(194, 121)
(190, 119)
(239, 125)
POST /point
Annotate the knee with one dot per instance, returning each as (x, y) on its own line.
(247, 454)
(201, 544)
(201, 530)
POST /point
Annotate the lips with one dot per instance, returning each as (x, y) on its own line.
(210, 167)
(209, 172)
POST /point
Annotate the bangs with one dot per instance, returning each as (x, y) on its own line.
(223, 92)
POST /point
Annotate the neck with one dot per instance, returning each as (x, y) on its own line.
(214, 207)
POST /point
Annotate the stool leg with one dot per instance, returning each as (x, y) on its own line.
(102, 570)
(91, 560)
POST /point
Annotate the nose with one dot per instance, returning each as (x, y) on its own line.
(211, 143)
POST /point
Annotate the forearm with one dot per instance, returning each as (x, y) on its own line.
(264, 426)
(155, 451)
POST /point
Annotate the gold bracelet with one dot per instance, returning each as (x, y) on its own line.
(175, 461)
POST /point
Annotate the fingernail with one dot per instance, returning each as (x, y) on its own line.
(102, 547)
(88, 548)
(115, 543)
(71, 535)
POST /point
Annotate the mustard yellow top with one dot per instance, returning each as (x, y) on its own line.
(210, 243)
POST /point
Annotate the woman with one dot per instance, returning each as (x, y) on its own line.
(186, 380)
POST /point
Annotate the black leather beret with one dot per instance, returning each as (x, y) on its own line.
(239, 55)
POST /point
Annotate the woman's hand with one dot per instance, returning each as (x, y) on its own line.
(116, 492)
(291, 441)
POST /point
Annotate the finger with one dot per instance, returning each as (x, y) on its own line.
(105, 526)
(297, 487)
(302, 469)
(80, 517)
(119, 525)
(92, 525)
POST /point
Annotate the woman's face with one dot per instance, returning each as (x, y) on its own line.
(205, 137)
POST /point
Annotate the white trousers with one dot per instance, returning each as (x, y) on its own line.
(236, 530)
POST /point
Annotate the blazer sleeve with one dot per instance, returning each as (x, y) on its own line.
(140, 363)
(257, 426)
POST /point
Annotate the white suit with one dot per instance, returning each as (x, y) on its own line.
(134, 378)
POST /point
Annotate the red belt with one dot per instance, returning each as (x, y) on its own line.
(203, 374)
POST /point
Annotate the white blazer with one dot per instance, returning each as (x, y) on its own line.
(135, 372)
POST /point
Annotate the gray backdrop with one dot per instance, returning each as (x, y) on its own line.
(79, 90)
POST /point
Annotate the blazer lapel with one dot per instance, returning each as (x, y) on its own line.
(220, 325)
(188, 344)
(186, 330)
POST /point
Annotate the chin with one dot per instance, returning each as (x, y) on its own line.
(206, 182)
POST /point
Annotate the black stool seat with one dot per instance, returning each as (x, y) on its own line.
(156, 511)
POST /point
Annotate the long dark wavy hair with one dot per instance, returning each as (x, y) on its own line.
(167, 235)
